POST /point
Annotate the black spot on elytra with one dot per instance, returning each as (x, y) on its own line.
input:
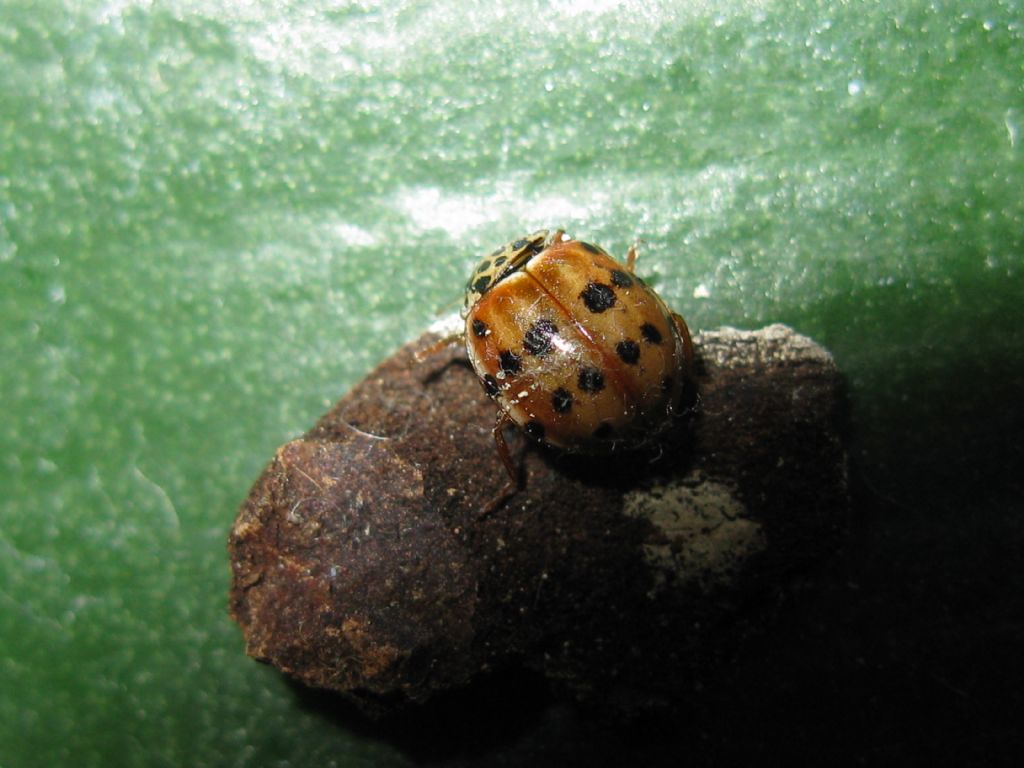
(628, 351)
(650, 333)
(604, 431)
(598, 297)
(537, 340)
(481, 284)
(500, 260)
(561, 400)
(534, 429)
(519, 244)
(490, 385)
(590, 380)
(592, 248)
(480, 328)
(621, 279)
(510, 362)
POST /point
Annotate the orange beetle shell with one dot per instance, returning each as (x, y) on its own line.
(577, 350)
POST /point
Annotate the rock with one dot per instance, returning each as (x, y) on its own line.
(362, 563)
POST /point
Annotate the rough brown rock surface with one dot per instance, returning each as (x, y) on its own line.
(361, 562)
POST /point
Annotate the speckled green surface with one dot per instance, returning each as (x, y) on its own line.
(216, 217)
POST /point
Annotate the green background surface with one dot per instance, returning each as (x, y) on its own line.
(215, 217)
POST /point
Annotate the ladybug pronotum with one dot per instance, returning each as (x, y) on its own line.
(573, 347)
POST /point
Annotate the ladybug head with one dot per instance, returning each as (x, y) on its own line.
(504, 261)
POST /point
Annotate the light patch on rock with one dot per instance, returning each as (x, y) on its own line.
(731, 348)
(702, 533)
(448, 325)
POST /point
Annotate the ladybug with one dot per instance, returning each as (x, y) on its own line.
(573, 347)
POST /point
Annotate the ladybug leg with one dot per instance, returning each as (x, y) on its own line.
(631, 257)
(442, 343)
(503, 420)
(684, 334)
